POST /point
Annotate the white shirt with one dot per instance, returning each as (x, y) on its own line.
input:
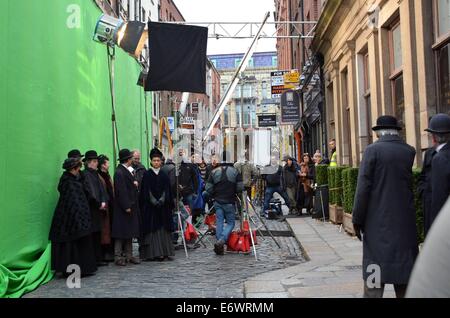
(130, 168)
(156, 171)
(438, 148)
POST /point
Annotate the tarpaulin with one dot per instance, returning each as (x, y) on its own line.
(54, 97)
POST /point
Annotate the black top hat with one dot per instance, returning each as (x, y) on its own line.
(75, 153)
(387, 122)
(439, 124)
(124, 155)
(155, 152)
(71, 163)
(90, 154)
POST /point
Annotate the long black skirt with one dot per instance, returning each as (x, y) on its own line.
(80, 252)
(156, 244)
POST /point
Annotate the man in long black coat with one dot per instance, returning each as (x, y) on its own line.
(424, 188)
(126, 211)
(97, 197)
(384, 211)
(440, 166)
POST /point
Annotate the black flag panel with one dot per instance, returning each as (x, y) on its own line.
(177, 58)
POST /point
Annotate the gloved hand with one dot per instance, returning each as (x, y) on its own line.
(358, 231)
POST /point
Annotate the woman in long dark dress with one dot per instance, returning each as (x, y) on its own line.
(156, 205)
(71, 229)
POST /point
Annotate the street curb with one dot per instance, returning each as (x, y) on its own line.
(304, 253)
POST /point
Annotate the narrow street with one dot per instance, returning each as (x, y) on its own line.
(203, 274)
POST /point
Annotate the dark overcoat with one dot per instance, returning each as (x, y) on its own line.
(440, 181)
(96, 194)
(153, 217)
(125, 225)
(72, 218)
(384, 208)
(424, 188)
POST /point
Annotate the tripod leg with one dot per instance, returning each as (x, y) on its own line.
(265, 225)
(180, 225)
(323, 209)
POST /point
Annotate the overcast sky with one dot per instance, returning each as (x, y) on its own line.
(230, 11)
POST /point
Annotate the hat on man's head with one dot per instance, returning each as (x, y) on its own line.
(387, 122)
(102, 159)
(75, 153)
(439, 124)
(155, 152)
(71, 163)
(125, 154)
(89, 155)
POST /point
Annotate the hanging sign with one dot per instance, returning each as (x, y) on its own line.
(290, 108)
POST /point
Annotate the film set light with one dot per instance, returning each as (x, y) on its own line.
(130, 36)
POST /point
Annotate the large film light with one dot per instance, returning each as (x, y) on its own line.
(130, 36)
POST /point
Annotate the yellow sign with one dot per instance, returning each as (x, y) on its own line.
(292, 77)
(289, 86)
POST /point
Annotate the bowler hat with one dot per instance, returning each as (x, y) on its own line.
(125, 154)
(71, 163)
(387, 122)
(439, 124)
(75, 153)
(90, 154)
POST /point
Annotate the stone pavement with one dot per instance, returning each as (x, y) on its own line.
(203, 274)
(333, 270)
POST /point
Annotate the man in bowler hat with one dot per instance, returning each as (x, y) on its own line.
(126, 211)
(383, 213)
(440, 165)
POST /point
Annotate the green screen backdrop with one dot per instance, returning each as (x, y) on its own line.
(54, 96)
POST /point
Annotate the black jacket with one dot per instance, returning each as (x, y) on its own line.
(273, 179)
(96, 194)
(424, 188)
(187, 180)
(224, 183)
(72, 218)
(139, 171)
(169, 170)
(440, 181)
(290, 176)
(154, 217)
(384, 207)
(125, 225)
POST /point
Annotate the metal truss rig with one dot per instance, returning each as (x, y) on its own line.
(247, 30)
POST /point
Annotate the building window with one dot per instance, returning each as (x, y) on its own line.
(347, 150)
(396, 47)
(443, 65)
(396, 77)
(367, 101)
(441, 12)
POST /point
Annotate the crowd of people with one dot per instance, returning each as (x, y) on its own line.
(98, 216)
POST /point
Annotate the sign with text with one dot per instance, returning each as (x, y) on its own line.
(277, 83)
(267, 120)
(292, 77)
(290, 108)
(194, 108)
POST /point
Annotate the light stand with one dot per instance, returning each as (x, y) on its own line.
(110, 50)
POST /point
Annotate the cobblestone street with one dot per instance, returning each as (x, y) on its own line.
(203, 274)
